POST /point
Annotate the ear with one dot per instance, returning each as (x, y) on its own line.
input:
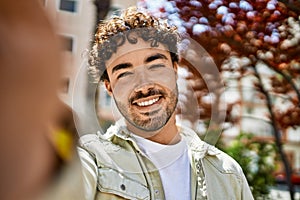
(108, 87)
(175, 66)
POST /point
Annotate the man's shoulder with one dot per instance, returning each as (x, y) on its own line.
(93, 138)
(212, 156)
(224, 163)
(100, 139)
(98, 147)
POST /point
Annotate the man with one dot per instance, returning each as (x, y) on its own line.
(146, 155)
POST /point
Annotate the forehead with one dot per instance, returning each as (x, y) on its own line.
(129, 52)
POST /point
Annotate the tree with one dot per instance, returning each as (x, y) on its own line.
(102, 8)
(261, 32)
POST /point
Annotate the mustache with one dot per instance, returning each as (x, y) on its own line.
(150, 92)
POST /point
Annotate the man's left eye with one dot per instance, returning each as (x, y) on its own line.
(156, 66)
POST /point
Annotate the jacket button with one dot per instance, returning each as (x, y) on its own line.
(122, 187)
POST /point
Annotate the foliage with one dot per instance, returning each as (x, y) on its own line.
(258, 161)
(259, 32)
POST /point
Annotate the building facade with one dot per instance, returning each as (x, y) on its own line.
(74, 21)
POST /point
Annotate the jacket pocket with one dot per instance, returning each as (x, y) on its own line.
(111, 181)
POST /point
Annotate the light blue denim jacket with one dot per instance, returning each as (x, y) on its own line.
(115, 168)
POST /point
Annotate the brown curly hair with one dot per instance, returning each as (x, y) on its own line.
(114, 32)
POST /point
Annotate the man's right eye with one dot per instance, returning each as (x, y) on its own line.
(124, 74)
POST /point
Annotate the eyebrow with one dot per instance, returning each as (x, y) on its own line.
(121, 66)
(155, 57)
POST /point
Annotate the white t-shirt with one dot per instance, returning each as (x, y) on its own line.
(173, 164)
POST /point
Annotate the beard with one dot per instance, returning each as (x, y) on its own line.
(154, 119)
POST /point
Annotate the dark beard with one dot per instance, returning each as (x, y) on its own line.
(154, 121)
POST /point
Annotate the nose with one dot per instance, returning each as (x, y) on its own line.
(144, 89)
(143, 81)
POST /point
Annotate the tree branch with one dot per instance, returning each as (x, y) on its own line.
(276, 134)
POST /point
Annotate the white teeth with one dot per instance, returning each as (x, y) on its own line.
(148, 103)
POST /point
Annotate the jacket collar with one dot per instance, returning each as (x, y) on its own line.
(119, 129)
(198, 147)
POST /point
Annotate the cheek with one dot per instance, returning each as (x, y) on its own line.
(166, 79)
(122, 92)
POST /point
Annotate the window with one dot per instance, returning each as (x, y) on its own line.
(68, 5)
(67, 43)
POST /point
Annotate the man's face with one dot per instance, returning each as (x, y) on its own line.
(143, 84)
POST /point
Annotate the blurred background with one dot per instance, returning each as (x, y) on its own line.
(255, 46)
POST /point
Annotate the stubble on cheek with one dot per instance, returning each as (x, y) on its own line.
(151, 121)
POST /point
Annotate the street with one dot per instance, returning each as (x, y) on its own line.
(280, 192)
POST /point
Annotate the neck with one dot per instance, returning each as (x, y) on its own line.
(168, 134)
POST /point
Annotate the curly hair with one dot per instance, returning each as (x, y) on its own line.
(130, 25)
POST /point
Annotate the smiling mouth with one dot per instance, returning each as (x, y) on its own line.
(147, 101)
